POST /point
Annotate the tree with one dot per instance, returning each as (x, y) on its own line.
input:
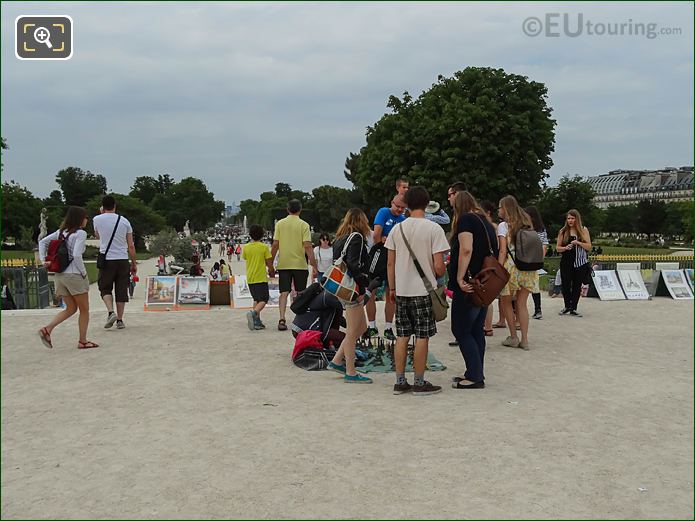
(679, 220)
(570, 192)
(79, 186)
(621, 219)
(283, 190)
(188, 200)
(20, 210)
(490, 129)
(651, 217)
(163, 242)
(3, 146)
(145, 188)
(143, 219)
(330, 204)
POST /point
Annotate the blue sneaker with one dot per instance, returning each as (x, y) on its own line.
(251, 320)
(356, 379)
(337, 368)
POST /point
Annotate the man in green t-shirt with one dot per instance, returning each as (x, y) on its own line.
(293, 242)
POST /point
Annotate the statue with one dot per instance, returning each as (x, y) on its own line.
(246, 230)
(43, 227)
(186, 229)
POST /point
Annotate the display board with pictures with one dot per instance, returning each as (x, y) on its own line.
(241, 294)
(677, 285)
(160, 293)
(193, 293)
(606, 285)
(633, 284)
(689, 273)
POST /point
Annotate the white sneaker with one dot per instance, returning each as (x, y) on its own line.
(110, 321)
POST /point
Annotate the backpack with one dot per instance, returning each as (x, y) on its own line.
(378, 257)
(58, 256)
(528, 250)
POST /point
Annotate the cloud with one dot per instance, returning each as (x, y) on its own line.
(244, 95)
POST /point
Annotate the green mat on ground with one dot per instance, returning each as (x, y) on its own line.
(384, 364)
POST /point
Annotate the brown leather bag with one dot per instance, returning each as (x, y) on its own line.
(491, 279)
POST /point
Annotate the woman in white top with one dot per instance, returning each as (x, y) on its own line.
(323, 253)
(72, 283)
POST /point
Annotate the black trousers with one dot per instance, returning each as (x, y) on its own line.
(572, 280)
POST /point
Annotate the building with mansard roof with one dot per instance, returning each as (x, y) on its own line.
(623, 187)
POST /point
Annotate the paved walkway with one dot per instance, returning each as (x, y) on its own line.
(191, 415)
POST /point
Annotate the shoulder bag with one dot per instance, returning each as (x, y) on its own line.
(491, 279)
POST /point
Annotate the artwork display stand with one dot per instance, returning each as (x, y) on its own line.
(605, 285)
(672, 283)
(632, 282)
(160, 293)
(192, 293)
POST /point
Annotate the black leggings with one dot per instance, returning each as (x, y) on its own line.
(536, 302)
(572, 280)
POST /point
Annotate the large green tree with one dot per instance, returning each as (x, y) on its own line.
(651, 217)
(621, 219)
(143, 219)
(146, 187)
(20, 209)
(188, 200)
(79, 186)
(330, 204)
(490, 129)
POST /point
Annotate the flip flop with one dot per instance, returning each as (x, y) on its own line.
(282, 325)
(489, 332)
(86, 345)
(45, 337)
(499, 326)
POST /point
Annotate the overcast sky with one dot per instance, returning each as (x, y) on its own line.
(247, 95)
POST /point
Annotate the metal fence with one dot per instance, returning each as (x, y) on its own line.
(647, 262)
(29, 286)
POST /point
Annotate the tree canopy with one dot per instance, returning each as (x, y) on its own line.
(79, 186)
(188, 200)
(487, 128)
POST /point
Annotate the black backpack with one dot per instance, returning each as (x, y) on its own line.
(378, 257)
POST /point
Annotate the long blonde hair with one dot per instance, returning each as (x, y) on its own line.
(515, 217)
(464, 203)
(354, 221)
(564, 234)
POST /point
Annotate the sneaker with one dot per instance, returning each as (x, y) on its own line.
(453, 343)
(511, 341)
(111, 320)
(336, 368)
(388, 334)
(356, 379)
(260, 325)
(538, 315)
(251, 320)
(564, 311)
(575, 313)
(120, 324)
(523, 345)
(371, 332)
(426, 389)
(402, 388)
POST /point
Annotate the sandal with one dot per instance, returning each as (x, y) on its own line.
(45, 337)
(489, 332)
(282, 325)
(86, 345)
(499, 326)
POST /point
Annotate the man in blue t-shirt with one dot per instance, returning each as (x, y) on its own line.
(386, 218)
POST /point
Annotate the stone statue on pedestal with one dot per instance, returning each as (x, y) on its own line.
(186, 229)
(43, 226)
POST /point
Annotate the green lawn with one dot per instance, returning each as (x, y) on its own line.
(627, 250)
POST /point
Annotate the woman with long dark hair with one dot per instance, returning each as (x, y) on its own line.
(72, 283)
(323, 253)
(472, 239)
(355, 229)
(574, 244)
(538, 225)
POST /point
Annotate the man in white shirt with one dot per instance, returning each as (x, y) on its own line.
(116, 271)
(406, 287)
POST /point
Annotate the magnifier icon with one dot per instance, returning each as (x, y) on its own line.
(42, 35)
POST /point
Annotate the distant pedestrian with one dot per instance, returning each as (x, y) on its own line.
(324, 255)
(72, 284)
(215, 271)
(115, 236)
(538, 225)
(225, 270)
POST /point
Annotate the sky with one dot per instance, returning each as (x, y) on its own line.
(245, 95)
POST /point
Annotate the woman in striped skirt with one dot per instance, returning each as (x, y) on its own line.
(574, 243)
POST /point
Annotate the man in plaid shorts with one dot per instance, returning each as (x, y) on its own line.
(406, 287)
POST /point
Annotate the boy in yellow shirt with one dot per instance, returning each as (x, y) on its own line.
(257, 257)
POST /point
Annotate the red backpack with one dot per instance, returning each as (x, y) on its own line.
(58, 255)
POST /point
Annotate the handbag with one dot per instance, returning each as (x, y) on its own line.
(491, 279)
(338, 281)
(440, 306)
(101, 257)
